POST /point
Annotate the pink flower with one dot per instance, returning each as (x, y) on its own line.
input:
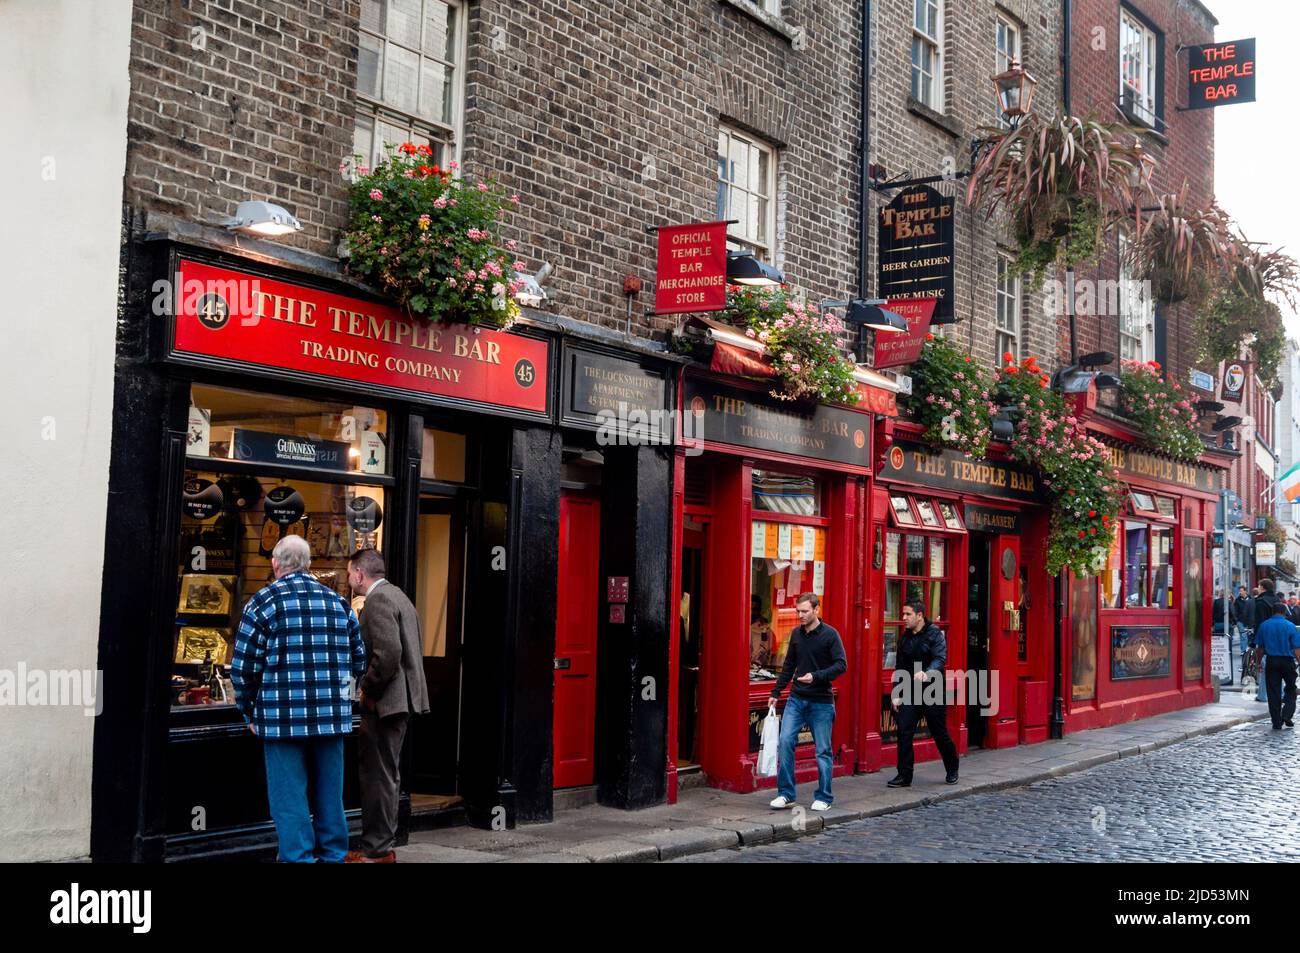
(482, 187)
(749, 332)
(453, 165)
(451, 282)
(519, 265)
(470, 275)
(498, 289)
(514, 199)
(796, 368)
(440, 202)
(363, 169)
(478, 288)
(375, 218)
(512, 244)
(376, 195)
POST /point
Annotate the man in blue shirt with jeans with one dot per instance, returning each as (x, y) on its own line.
(1279, 641)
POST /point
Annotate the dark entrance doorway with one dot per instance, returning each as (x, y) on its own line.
(977, 633)
(438, 591)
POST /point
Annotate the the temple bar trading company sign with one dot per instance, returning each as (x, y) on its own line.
(1219, 74)
(747, 418)
(916, 249)
(691, 274)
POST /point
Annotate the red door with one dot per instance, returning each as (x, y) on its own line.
(1005, 632)
(577, 608)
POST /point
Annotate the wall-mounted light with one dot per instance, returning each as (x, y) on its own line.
(532, 294)
(262, 220)
(744, 269)
(1015, 90)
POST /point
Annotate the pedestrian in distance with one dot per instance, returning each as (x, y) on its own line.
(392, 690)
(1278, 642)
(814, 658)
(1266, 599)
(297, 655)
(922, 655)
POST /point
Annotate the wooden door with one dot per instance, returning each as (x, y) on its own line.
(576, 627)
(1005, 627)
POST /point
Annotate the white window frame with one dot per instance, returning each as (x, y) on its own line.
(1009, 307)
(923, 40)
(1007, 49)
(769, 6)
(755, 232)
(1137, 315)
(445, 135)
(1139, 61)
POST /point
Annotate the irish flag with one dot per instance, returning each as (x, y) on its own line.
(1290, 483)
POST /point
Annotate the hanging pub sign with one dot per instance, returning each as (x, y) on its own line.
(691, 274)
(1220, 74)
(1234, 381)
(897, 348)
(232, 319)
(916, 249)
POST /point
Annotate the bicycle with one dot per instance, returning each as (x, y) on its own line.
(1250, 665)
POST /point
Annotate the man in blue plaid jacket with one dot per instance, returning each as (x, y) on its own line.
(297, 655)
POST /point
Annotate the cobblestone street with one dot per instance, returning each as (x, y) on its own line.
(1227, 797)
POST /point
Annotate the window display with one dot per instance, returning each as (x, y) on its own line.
(286, 431)
(785, 560)
(229, 526)
(788, 493)
(924, 562)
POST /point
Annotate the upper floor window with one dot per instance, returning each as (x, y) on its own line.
(1008, 315)
(1137, 315)
(927, 53)
(746, 173)
(409, 82)
(1008, 51)
(769, 6)
(1138, 69)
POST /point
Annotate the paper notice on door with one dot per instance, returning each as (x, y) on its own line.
(783, 541)
(796, 544)
(819, 548)
(769, 540)
(758, 541)
(809, 542)
(819, 578)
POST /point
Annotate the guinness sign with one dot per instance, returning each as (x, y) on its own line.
(916, 249)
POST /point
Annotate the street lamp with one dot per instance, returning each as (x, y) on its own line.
(1015, 89)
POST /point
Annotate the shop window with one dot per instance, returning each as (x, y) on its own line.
(1166, 508)
(786, 493)
(746, 191)
(1083, 633)
(1162, 567)
(1144, 504)
(951, 516)
(229, 526)
(925, 509)
(1193, 605)
(1136, 563)
(231, 424)
(786, 560)
(915, 569)
(442, 456)
(409, 77)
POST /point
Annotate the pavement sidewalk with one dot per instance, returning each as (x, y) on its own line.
(705, 819)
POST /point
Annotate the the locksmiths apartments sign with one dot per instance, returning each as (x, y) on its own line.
(916, 249)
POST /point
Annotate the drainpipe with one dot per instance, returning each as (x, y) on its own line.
(865, 201)
(1056, 725)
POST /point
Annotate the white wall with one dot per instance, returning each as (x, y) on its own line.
(65, 88)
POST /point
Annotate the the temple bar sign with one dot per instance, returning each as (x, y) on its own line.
(1219, 74)
(916, 249)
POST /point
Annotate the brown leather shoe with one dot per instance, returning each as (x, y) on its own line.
(356, 857)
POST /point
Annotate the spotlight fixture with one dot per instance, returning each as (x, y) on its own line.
(1096, 359)
(873, 316)
(744, 269)
(1225, 423)
(532, 294)
(1208, 406)
(1104, 380)
(262, 220)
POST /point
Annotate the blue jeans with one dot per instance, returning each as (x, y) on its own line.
(819, 716)
(292, 765)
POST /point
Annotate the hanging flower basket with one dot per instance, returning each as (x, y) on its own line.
(1184, 251)
(803, 346)
(1160, 410)
(950, 396)
(431, 240)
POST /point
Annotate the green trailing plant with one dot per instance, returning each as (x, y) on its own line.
(430, 240)
(950, 396)
(1241, 311)
(1182, 250)
(1081, 484)
(1061, 181)
(802, 344)
(1160, 410)
(1273, 532)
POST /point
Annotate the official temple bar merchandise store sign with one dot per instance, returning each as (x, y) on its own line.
(691, 274)
(916, 249)
(895, 349)
(291, 329)
(1220, 74)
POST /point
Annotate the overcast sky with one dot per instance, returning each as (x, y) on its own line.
(1257, 145)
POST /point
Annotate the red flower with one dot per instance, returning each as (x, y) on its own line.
(424, 150)
(406, 148)
(1071, 492)
(1092, 531)
(1092, 512)
(425, 171)
(1008, 356)
(1012, 369)
(1082, 534)
(967, 358)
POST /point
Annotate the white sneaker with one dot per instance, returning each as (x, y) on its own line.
(780, 803)
(820, 806)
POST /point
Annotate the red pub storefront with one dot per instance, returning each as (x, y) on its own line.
(967, 538)
(770, 501)
(1139, 630)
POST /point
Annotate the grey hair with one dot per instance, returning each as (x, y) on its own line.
(292, 553)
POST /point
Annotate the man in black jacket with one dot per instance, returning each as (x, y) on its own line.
(1265, 602)
(814, 658)
(919, 690)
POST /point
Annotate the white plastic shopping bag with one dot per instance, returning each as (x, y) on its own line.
(767, 750)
